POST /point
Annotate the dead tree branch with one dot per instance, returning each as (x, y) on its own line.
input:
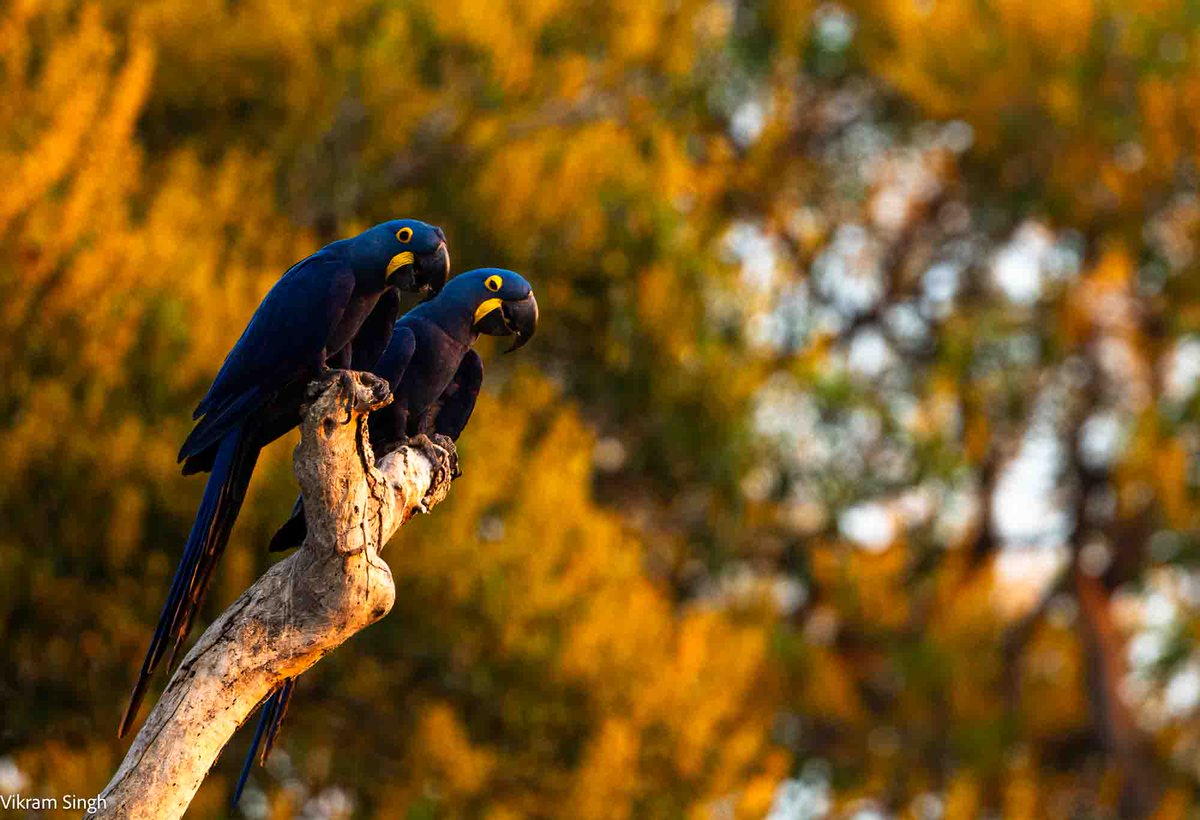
(302, 608)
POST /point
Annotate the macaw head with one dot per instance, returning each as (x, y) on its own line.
(410, 254)
(498, 302)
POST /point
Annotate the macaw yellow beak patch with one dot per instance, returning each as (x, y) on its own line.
(400, 260)
(487, 307)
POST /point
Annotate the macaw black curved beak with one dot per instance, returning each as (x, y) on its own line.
(517, 318)
(521, 318)
(433, 269)
(414, 272)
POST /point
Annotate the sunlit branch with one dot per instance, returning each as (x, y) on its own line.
(301, 609)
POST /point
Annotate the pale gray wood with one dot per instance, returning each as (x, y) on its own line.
(302, 608)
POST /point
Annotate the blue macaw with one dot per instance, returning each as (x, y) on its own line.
(333, 309)
(435, 376)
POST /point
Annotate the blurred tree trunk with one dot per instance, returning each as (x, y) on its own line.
(302, 608)
(1114, 722)
(1114, 725)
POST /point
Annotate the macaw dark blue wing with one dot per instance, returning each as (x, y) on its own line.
(458, 400)
(285, 338)
(394, 362)
(202, 443)
(387, 424)
(375, 334)
(286, 334)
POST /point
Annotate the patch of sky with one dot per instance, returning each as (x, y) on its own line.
(871, 526)
(847, 273)
(1026, 510)
(807, 797)
(1183, 370)
(1101, 439)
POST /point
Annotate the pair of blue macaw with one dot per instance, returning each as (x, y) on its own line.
(338, 308)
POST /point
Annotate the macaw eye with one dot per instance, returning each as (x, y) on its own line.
(493, 283)
(404, 234)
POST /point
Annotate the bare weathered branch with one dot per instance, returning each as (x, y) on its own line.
(302, 608)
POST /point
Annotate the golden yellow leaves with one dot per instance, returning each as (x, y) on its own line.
(608, 783)
(978, 60)
(456, 764)
(682, 699)
(1094, 102)
(1052, 675)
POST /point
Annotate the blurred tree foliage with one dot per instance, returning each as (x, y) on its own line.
(853, 470)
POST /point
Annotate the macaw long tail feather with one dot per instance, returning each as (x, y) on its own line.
(223, 496)
(264, 720)
(281, 706)
(233, 493)
(273, 710)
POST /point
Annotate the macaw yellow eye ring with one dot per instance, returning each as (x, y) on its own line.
(405, 234)
(493, 283)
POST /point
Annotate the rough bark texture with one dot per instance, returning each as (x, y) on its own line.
(302, 608)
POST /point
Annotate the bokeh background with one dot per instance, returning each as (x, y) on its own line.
(853, 470)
